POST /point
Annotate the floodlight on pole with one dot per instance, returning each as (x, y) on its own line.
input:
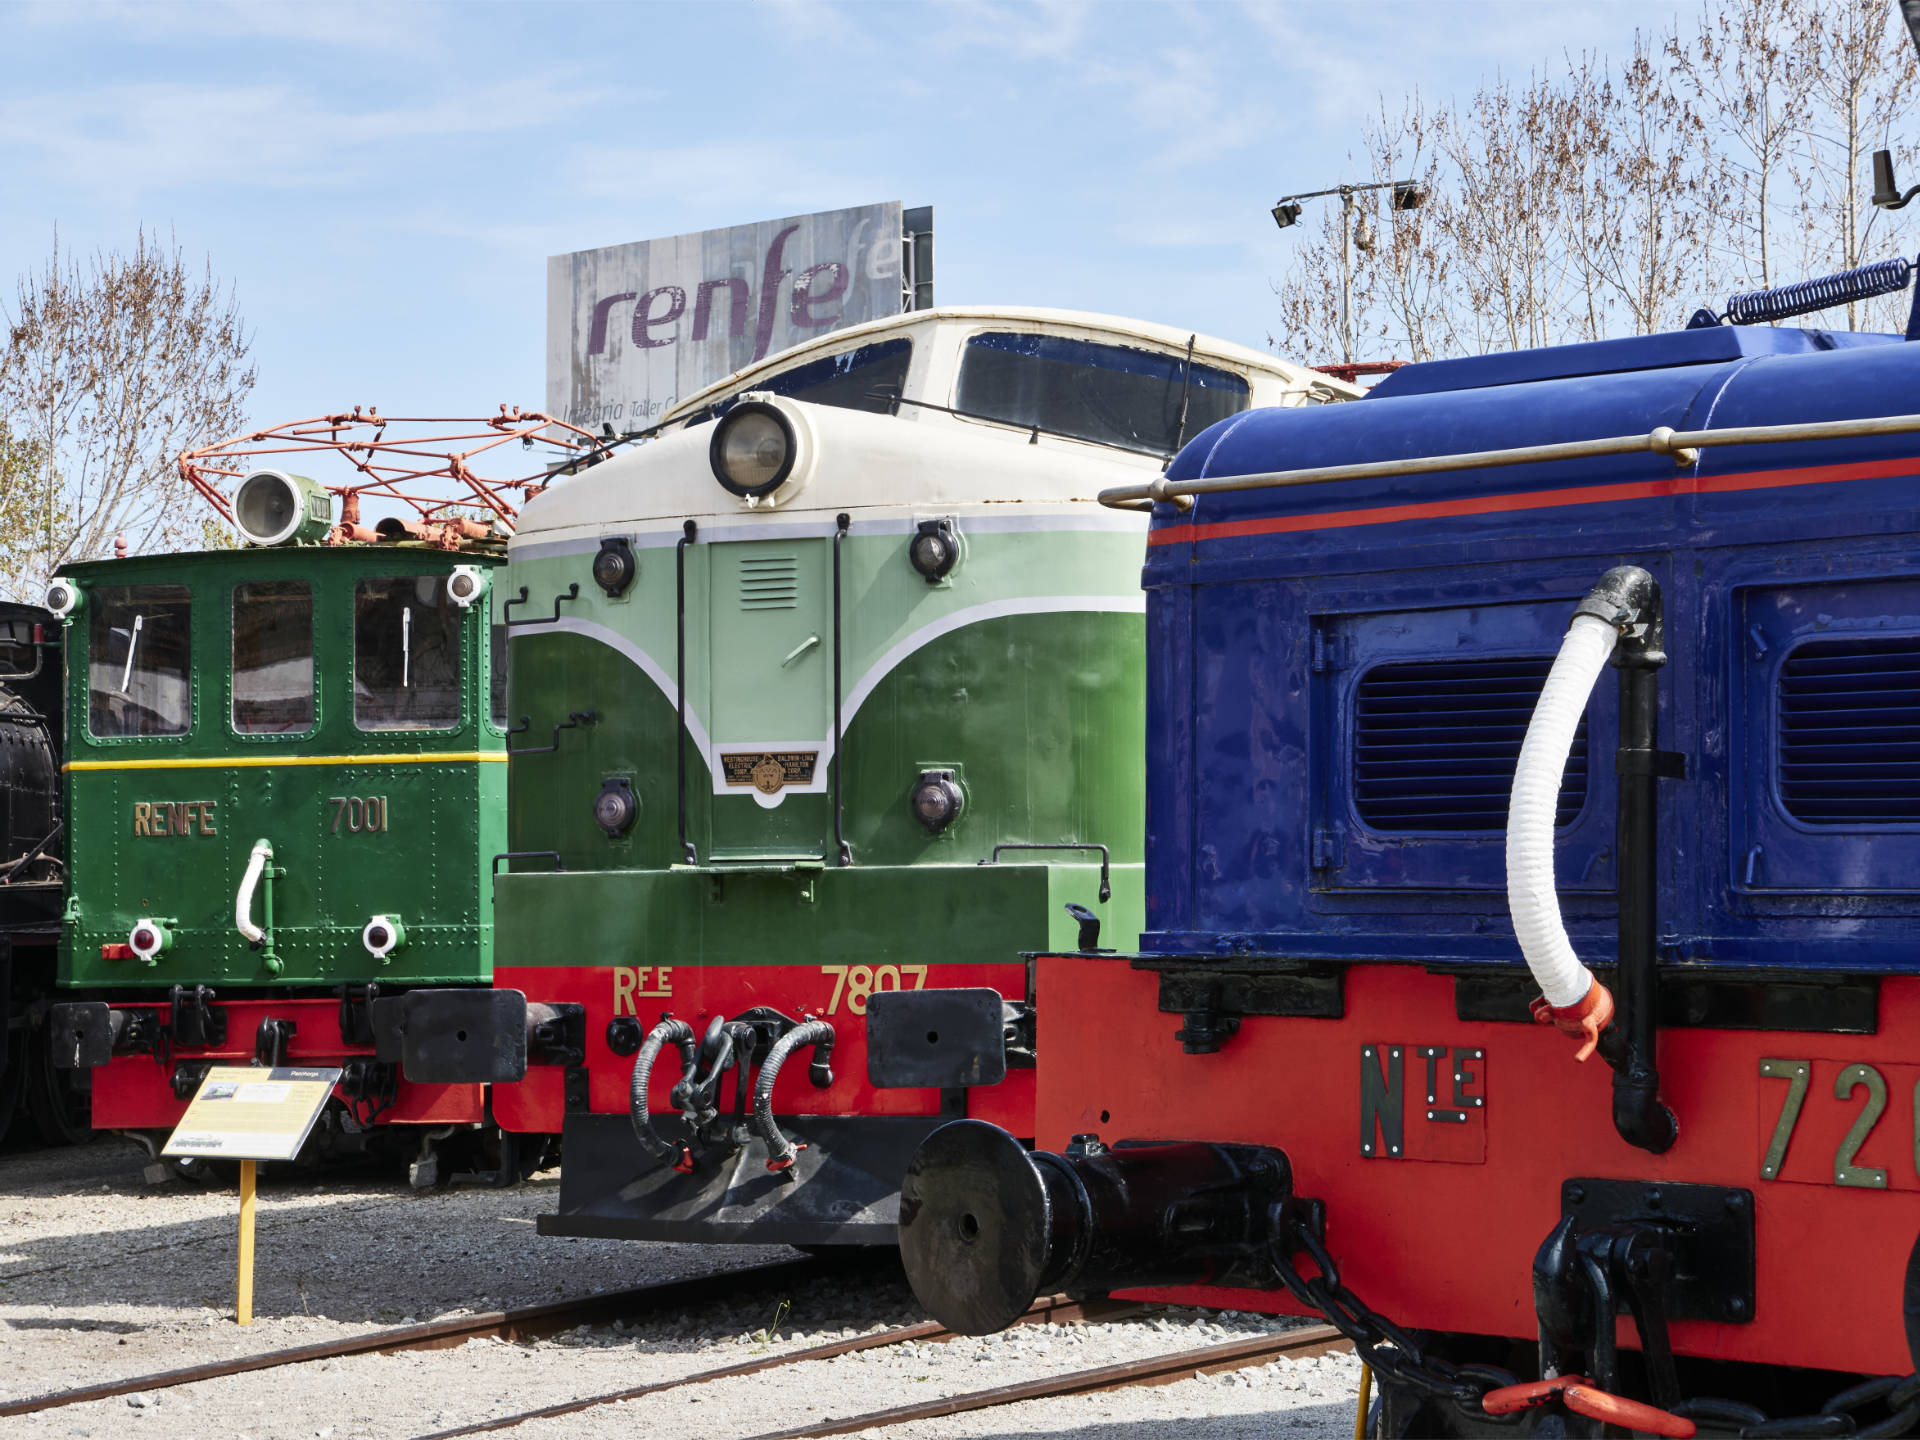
(1407, 195)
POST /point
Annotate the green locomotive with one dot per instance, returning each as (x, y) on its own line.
(831, 697)
(285, 783)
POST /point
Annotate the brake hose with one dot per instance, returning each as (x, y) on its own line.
(669, 1031)
(781, 1152)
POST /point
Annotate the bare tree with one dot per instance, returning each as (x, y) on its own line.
(1861, 77)
(1749, 79)
(1603, 198)
(112, 367)
(1652, 244)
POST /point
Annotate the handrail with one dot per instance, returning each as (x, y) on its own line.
(842, 851)
(1106, 859)
(1684, 446)
(574, 720)
(572, 593)
(510, 855)
(687, 534)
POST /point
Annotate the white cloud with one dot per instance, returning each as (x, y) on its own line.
(152, 136)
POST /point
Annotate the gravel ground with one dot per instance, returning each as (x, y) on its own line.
(103, 1276)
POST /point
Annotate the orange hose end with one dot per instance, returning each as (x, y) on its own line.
(1583, 1020)
(1583, 1399)
(1512, 1399)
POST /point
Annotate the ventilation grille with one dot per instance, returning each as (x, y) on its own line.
(770, 582)
(1850, 732)
(1435, 743)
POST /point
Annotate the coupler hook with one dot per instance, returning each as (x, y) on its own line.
(669, 1031)
(782, 1152)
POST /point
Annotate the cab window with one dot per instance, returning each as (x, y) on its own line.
(273, 657)
(868, 378)
(1114, 394)
(406, 654)
(139, 661)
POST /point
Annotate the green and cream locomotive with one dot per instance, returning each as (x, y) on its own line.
(826, 703)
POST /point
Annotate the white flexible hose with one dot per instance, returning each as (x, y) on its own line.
(1530, 813)
(243, 902)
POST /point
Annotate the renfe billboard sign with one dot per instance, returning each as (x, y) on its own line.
(633, 328)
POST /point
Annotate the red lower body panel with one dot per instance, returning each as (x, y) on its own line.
(1442, 1234)
(135, 1092)
(698, 993)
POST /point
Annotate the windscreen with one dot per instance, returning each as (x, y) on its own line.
(273, 657)
(847, 382)
(139, 660)
(1114, 394)
(406, 654)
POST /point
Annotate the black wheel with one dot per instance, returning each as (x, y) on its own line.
(60, 1102)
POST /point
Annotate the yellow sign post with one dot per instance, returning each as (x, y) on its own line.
(245, 1113)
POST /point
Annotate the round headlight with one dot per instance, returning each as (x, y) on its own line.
(616, 807)
(614, 566)
(934, 550)
(272, 507)
(63, 598)
(149, 939)
(382, 935)
(465, 585)
(936, 800)
(753, 450)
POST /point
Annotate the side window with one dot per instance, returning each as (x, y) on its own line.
(273, 657)
(1121, 395)
(497, 677)
(406, 654)
(139, 661)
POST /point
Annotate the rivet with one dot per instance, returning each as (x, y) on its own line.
(1576, 1194)
(1429, 1114)
(1393, 1149)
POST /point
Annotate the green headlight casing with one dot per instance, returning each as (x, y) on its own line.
(276, 507)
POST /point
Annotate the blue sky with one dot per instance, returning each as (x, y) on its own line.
(382, 184)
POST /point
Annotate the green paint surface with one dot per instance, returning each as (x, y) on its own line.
(1040, 714)
(428, 864)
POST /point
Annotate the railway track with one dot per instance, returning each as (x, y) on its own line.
(1154, 1370)
(526, 1323)
(537, 1321)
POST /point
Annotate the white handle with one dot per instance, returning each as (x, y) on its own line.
(243, 902)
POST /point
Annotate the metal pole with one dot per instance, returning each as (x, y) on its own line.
(1346, 275)
(843, 853)
(243, 1308)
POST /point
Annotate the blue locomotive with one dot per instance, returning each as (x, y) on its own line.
(1540, 706)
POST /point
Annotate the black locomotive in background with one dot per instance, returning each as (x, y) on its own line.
(32, 876)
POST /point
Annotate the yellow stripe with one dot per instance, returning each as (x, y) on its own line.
(250, 762)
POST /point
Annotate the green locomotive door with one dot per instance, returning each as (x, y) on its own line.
(770, 709)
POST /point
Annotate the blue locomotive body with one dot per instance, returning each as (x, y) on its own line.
(1340, 673)
(1398, 803)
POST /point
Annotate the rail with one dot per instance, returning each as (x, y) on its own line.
(1684, 446)
(527, 1322)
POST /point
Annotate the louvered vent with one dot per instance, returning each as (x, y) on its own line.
(1850, 732)
(770, 582)
(1435, 743)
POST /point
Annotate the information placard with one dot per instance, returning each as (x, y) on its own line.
(244, 1112)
